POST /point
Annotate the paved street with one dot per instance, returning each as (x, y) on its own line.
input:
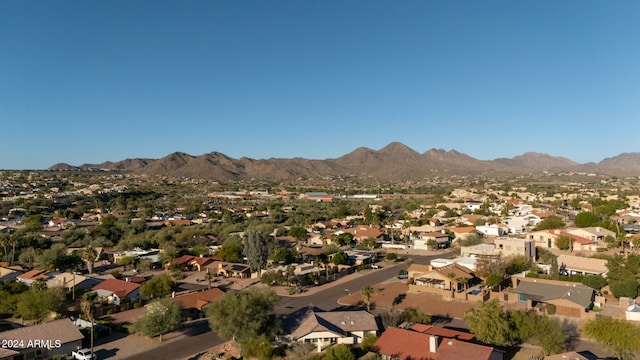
(196, 338)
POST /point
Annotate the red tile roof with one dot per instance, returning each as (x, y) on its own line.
(444, 332)
(408, 344)
(198, 300)
(34, 275)
(119, 287)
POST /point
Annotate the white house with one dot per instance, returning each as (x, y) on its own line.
(493, 229)
(312, 325)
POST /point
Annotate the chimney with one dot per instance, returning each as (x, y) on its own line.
(598, 229)
(433, 344)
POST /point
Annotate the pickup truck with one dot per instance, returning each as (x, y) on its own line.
(83, 354)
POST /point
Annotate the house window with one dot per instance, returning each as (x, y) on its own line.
(523, 298)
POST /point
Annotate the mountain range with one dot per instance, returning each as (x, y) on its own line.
(395, 161)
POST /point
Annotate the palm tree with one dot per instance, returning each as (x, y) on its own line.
(87, 305)
(451, 277)
(366, 293)
(465, 282)
(209, 277)
(89, 256)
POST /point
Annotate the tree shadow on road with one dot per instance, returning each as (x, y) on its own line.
(441, 319)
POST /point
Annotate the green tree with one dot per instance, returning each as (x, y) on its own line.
(586, 219)
(471, 239)
(339, 352)
(551, 222)
(159, 286)
(57, 258)
(231, 250)
(243, 315)
(299, 233)
(516, 264)
(367, 293)
(490, 324)
(38, 304)
(259, 347)
(160, 317)
(550, 333)
(340, 258)
(625, 288)
(368, 341)
(618, 335)
(596, 282)
(392, 256)
(259, 246)
(564, 242)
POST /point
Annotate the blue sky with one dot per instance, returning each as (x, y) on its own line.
(94, 81)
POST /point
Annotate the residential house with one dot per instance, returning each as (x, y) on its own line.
(462, 232)
(61, 223)
(361, 233)
(466, 261)
(359, 257)
(324, 328)
(114, 290)
(493, 229)
(440, 239)
(449, 280)
(502, 247)
(404, 344)
(45, 340)
(197, 262)
(569, 298)
(509, 246)
(138, 253)
(473, 205)
(579, 265)
(597, 234)
(546, 239)
(227, 269)
(31, 276)
(572, 355)
(193, 304)
(470, 219)
(8, 274)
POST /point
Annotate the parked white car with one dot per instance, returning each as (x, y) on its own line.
(84, 354)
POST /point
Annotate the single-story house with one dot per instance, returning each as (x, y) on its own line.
(227, 269)
(45, 340)
(404, 344)
(31, 276)
(569, 298)
(114, 290)
(8, 274)
(583, 266)
(197, 262)
(193, 304)
(439, 239)
(324, 328)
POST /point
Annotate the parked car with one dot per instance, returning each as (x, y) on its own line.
(83, 354)
(403, 276)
